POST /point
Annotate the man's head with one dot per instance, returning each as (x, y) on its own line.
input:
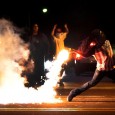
(94, 41)
(98, 37)
(58, 32)
(35, 28)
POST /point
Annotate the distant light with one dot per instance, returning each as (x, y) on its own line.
(44, 10)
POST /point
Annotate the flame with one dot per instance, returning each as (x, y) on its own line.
(55, 66)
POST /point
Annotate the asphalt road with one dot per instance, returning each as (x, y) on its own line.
(97, 100)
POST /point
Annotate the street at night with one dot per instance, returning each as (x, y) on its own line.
(39, 39)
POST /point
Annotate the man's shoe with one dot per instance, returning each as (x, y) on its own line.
(70, 96)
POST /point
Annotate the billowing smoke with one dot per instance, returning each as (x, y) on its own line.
(12, 50)
(15, 61)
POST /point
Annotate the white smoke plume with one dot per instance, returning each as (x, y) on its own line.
(12, 49)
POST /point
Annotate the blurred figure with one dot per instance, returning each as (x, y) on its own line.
(39, 49)
(58, 37)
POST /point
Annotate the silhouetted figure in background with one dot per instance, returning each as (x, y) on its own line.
(58, 37)
(39, 49)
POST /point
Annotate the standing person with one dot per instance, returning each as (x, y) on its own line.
(98, 46)
(39, 48)
(58, 37)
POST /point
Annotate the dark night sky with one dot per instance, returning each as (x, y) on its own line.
(81, 15)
